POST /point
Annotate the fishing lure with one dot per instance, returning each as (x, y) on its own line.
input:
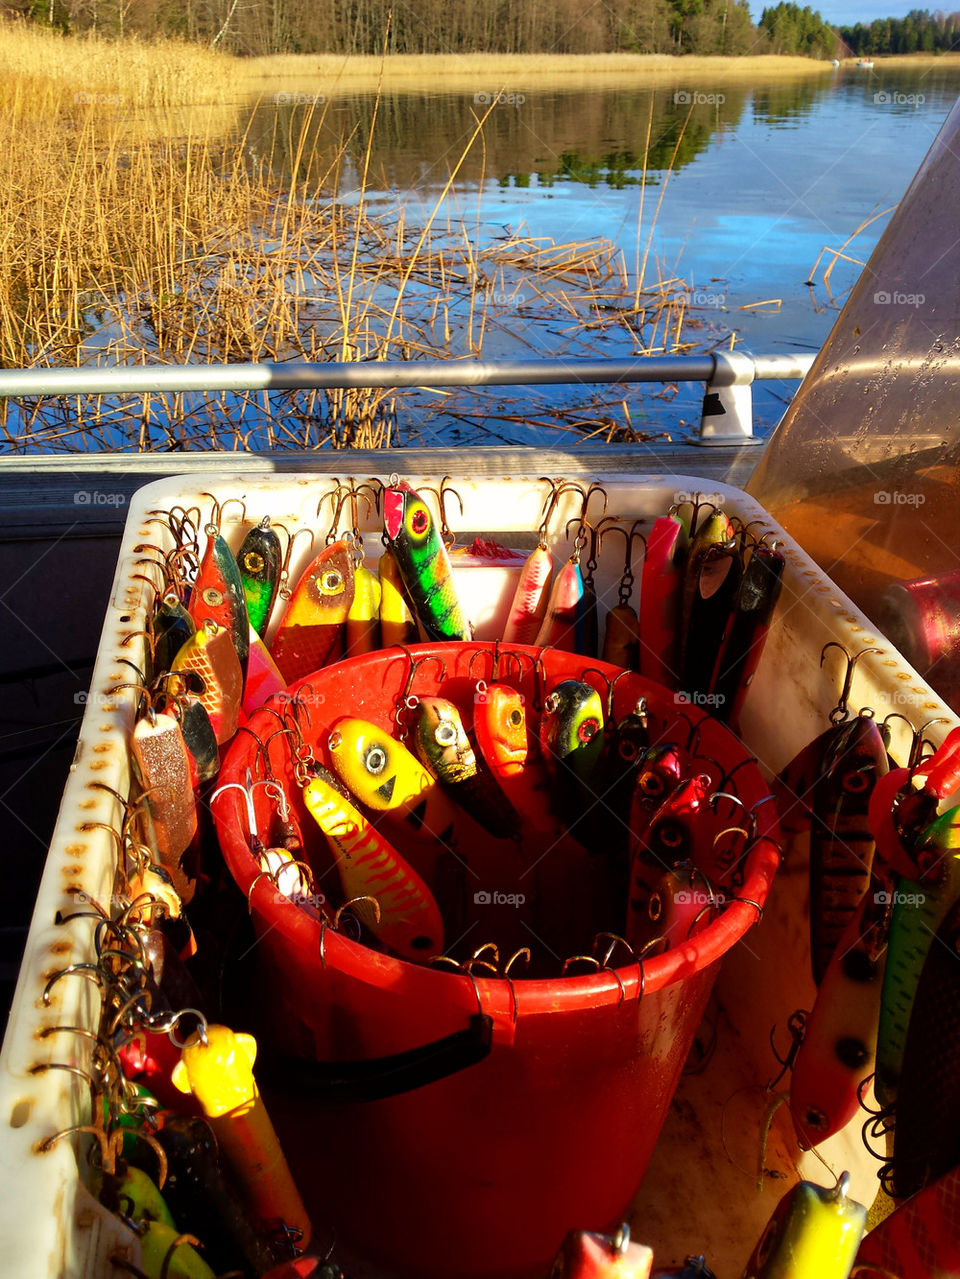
(217, 594)
(363, 616)
(571, 731)
(263, 676)
(382, 774)
(259, 561)
(840, 1037)
(441, 743)
(926, 1138)
(625, 746)
(163, 764)
(311, 630)
(408, 919)
(216, 1067)
(841, 844)
(198, 736)
(587, 1255)
(920, 1240)
(669, 837)
(210, 655)
(564, 625)
(133, 1194)
(621, 641)
(502, 733)
(681, 905)
(736, 665)
(813, 1234)
(711, 608)
(531, 597)
(171, 627)
(397, 623)
(661, 594)
(713, 534)
(424, 566)
(919, 908)
(164, 1256)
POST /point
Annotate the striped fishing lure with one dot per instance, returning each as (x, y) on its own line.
(409, 918)
(424, 566)
(530, 598)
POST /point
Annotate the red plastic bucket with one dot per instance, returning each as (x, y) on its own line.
(520, 1109)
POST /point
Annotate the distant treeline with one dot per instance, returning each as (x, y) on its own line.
(919, 32)
(254, 27)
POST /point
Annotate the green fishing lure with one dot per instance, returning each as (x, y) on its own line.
(259, 561)
(422, 559)
(571, 728)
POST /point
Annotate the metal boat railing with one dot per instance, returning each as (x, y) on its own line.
(726, 418)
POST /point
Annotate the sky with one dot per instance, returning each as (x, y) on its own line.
(841, 13)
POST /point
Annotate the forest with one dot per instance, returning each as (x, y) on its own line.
(919, 32)
(259, 27)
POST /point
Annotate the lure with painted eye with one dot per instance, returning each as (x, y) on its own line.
(311, 630)
(919, 908)
(424, 566)
(259, 560)
(500, 725)
(711, 610)
(668, 838)
(217, 594)
(564, 624)
(840, 1037)
(530, 599)
(926, 1227)
(163, 764)
(756, 600)
(443, 747)
(661, 596)
(841, 845)
(814, 1233)
(210, 655)
(172, 626)
(369, 866)
(571, 730)
(621, 641)
(661, 770)
(926, 1138)
(217, 1069)
(382, 774)
(363, 618)
(397, 623)
(681, 905)
(587, 1255)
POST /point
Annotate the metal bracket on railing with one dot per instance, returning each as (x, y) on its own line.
(727, 416)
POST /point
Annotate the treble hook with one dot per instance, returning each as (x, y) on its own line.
(841, 712)
(254, 839)
(613, 525)
(407, 699)
(448, 537)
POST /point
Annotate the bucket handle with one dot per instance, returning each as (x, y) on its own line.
(375, 1078)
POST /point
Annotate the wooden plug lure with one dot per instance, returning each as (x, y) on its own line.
(216, 1067)
(363, 616)
(259, 561)
(502, 733)
(681, 905)
(621, 640)
(397, 623)
(757, 597)
(135, 1194)
(669, 837)
(198, 736)
(926, 1138)
(382, 774)
(712, 534)
(571, 731)
(210, 655)
(626, 745)
(530, 599)
(163, 1256)
(217, 594)
(711, 611)
(920, 1240)
(408, 919)
(660, 771)
(171, 627)
(423, 562)
(587, 1255)
(814, 1233)
(163, 764)
(841, 843)
(840, 1038)
(312, 629)
(919, 908)
(264, 679)
(661, 597)
(442, 746)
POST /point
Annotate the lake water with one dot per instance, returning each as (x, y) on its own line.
(765, 176)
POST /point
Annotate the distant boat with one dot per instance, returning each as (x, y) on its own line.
(835, 63)
(864, 64)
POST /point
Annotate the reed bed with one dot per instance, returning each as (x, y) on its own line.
(121, 246)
